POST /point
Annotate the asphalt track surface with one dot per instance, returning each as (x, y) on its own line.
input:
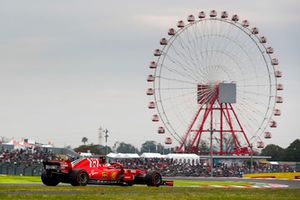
(290, 183)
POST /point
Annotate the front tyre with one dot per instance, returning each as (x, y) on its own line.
(153, 178)
(49, 180)
(79, 177)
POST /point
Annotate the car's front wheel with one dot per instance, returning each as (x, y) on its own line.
(153, 178)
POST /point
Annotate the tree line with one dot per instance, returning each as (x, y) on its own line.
(122, 147)
(291, 153)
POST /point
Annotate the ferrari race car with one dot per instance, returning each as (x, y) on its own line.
(95, 171)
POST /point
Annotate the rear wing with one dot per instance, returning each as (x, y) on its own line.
(57, 166)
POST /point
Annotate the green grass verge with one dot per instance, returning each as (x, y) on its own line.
(153, 193)
(37, 179)
(63, 192)
(20, 179)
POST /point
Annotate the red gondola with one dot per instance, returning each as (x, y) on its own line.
(279, 99)
(267, 135)
(157, 52)
(155, 118)
(279, 86)
(270, 50)
(180, 24)
(273, 124)
(254, 30)
(150, 78)
(163, 41)
(161, 130)
(168, 140)
(151, 105)
(245, 23)
(213, 13)
(278, 74)
(201, 14)
(224, 14)
(150, 91)
(235, 18)
(153, 65)
(275, 61)
(263, 39)
(277, 112)
(171, 31)
(260, 145)
(191, 18)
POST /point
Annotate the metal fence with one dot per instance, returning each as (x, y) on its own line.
(20, 169)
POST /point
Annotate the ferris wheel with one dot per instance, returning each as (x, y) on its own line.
(215, 80)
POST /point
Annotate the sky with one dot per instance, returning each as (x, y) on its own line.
(68, 67)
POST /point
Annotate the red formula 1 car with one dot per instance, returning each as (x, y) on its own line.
(95, 171)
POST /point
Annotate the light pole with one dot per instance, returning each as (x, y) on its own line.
(115, 147)
(100, 136)
(251, 160)
(211, 154)
(106, 136)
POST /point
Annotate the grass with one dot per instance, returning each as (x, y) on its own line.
(37, 179)
(64, 192)
(142, 192)
(20, 179)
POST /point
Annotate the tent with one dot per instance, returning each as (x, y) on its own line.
(122, 155)
(152, 155)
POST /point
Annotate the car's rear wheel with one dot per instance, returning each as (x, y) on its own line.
(48, 179)
(153, 178)
(79, 177)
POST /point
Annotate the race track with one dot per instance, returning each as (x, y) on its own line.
(290, 183)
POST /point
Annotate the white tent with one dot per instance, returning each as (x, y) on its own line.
(122, 155)
(132, 155)
(152, 155)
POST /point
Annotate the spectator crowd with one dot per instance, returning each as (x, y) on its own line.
(167, 167)
(27, 156)
(171, 168)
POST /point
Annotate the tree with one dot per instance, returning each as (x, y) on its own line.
(275, 151)
(162, 149)
(149, 146)
(126, 148)
(84, 140)
(68, 147)
(292, 152)
(94, 149)
(203, 148)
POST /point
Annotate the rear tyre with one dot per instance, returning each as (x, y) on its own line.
(79, 177)
(153, 178)
(49, 180)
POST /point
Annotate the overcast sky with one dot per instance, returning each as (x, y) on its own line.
(68, 67)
